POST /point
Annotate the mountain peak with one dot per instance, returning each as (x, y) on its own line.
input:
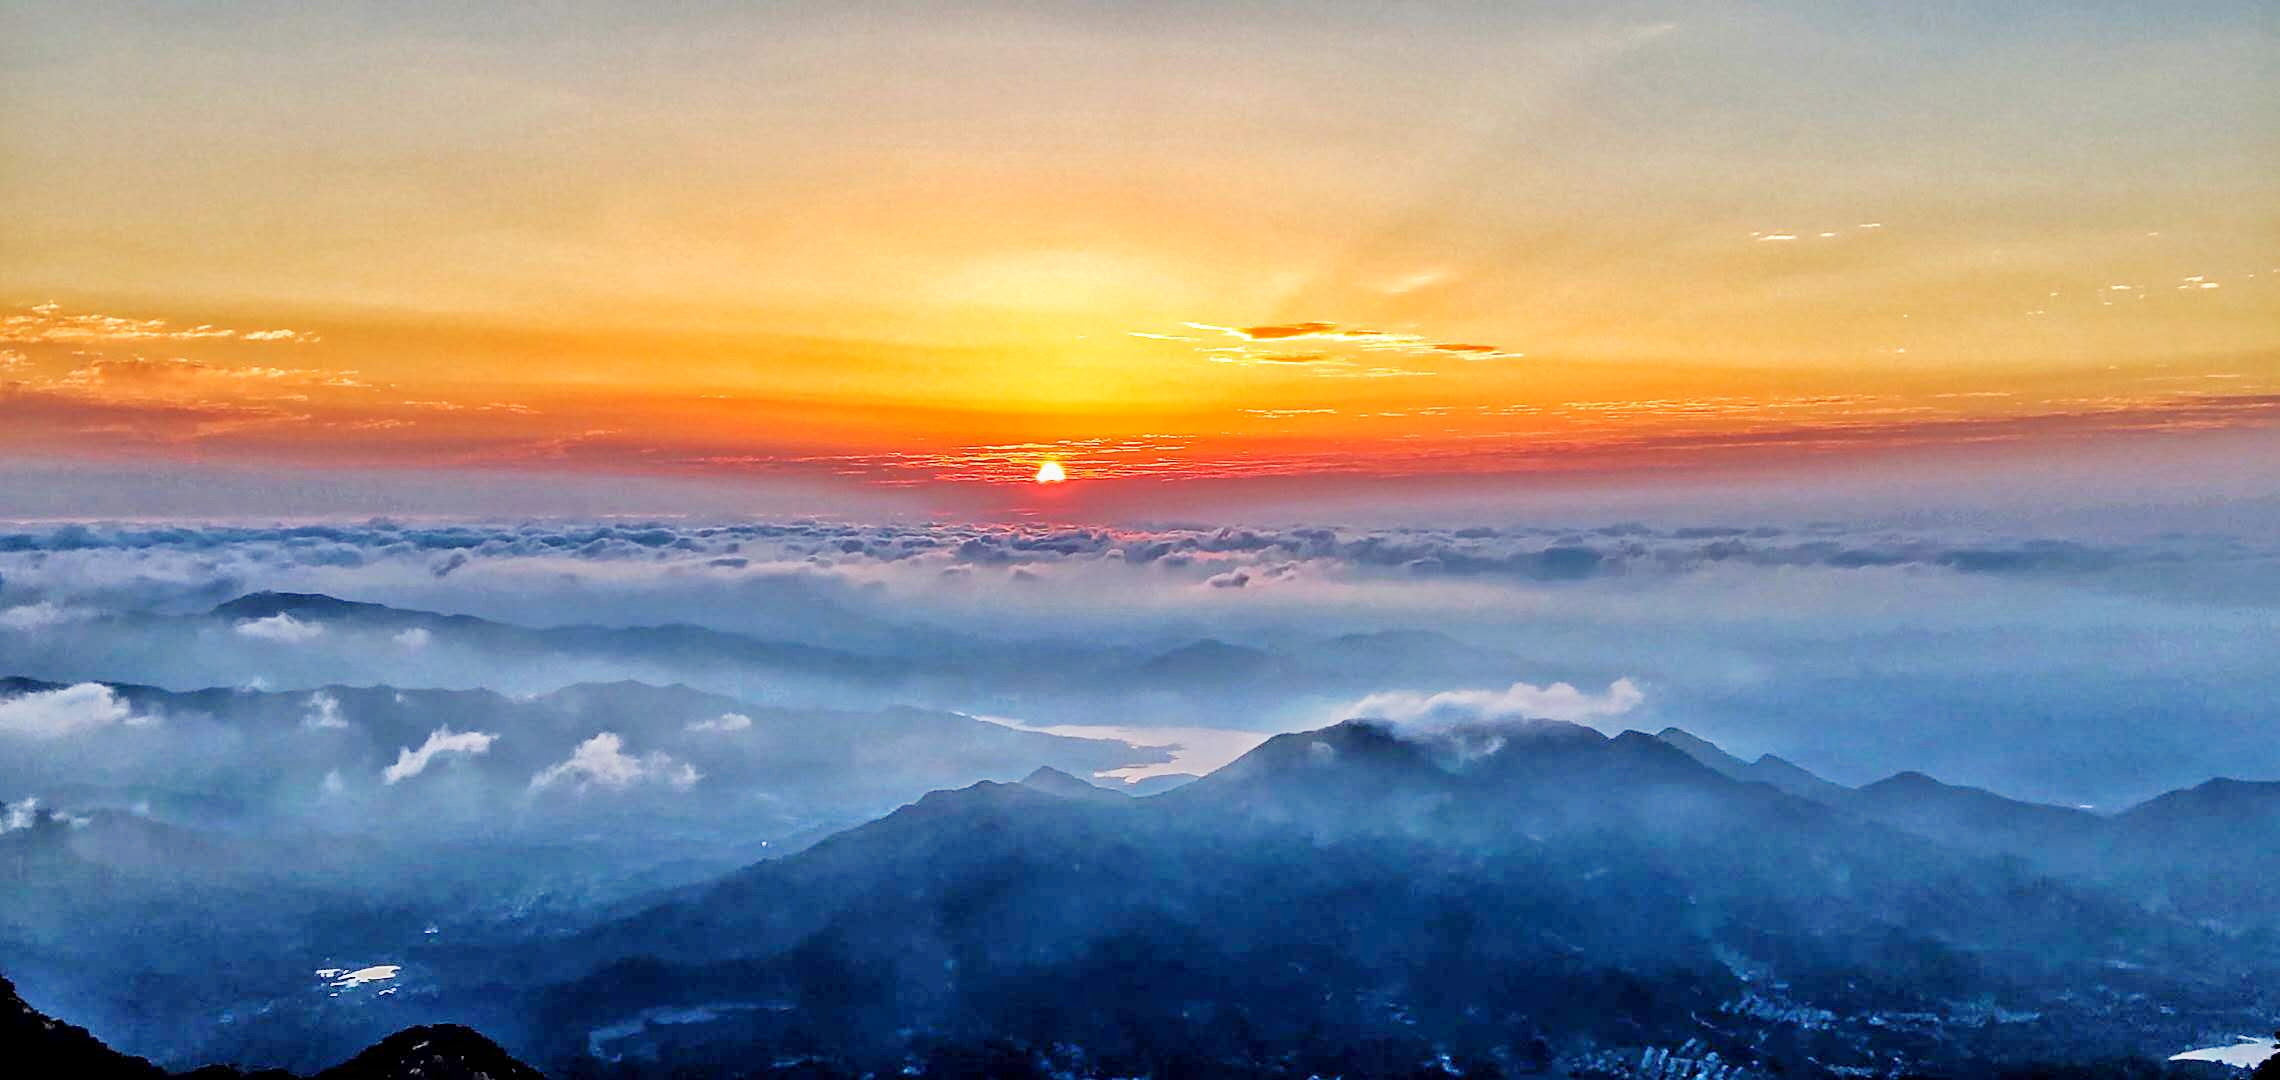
(1053, 781)
(1208, 659)
(2223, 796)
(434, 1052)
(1704, 751)
(1352, 748)
(1665, 760)
(1909, 780)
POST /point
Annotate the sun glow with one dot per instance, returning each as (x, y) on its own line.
(1051, 473)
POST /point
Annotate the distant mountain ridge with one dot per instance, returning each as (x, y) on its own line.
(939, 668)
(687, 642)
(2205, 851)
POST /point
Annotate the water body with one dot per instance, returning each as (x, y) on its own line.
(2248, 1053)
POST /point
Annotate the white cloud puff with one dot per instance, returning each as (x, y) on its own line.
(324, 711)
(413, 638)
(41, 616)
(602, 762)
(1520, 701)
(724, 722)
(443, 740)
(281, 628)
(54, 714)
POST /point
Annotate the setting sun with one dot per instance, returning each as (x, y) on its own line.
(1051, 473)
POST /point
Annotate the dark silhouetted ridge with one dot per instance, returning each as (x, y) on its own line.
(36, 1046)
(438, 1052)
(262, 605)
(27, 1036)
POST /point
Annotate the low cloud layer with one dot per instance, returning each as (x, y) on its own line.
(2024, 661)
(723, 722)
(282, 629)
(601, 762)
(57, 714)
(1520, 701)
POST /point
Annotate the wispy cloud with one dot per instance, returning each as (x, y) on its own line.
(1362, 339)
(443, 740)
(50, 324)
(723, 722)
(1520, 701)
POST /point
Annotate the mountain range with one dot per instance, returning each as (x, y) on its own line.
(2206, 852)
(1505, 900)
(622, 878)
(1514, 899)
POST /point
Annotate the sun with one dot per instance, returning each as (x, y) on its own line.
(1050, 473)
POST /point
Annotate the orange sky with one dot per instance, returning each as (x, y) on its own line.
(913, 246)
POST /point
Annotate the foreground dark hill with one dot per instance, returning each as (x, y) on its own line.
(35, 1047)
(27, 1036)
(1511, 897)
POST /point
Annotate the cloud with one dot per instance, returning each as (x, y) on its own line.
(602, 762)
(1331, 334)
(723, 722)
(54, 714)
(64, 415)
(1755, 622)
(49, 323)
(324, 711)
(1520, 701)
(142, 373)
(25, 813)
(281, 628)
(1289, 330)
(1308, 331)
(411, 763)
(41, 616)
(415, 637)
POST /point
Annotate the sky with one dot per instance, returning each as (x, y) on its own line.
(900, 255)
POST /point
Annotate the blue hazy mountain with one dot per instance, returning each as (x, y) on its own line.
(1353, 887)
(2205, 852)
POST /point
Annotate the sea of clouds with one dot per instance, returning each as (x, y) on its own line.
(2066, 668)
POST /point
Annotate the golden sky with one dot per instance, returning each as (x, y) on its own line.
(911, 245)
